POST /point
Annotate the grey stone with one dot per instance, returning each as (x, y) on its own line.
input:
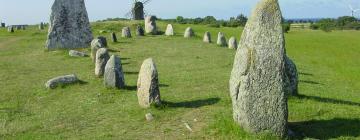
(102, 56)
(138, 11)
(207, 37)
(10, 29)
(126, 32)
(114, 76)
(221, 40)
(169, 30)
(103, 40)
(95, 45)
(69, 25)
(150, 25)
(148, 84)
(257, 83)
(114, 37)
(189, 32)
(61, 80)
(149, 117)
(140, 31)
(291, 77)
(75, 53)
(232, 43)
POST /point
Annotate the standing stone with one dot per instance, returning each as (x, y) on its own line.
(41, 26)
(292, 77)
(103, 40)
(102, 56)
(221, 40)
(169, 30)
(3, 25)
(207, 37)
(138, 11)
(69, 25)
(148, 84)
(189, 32)
(150, 25)
(95, 45)
(126, 32)
(113, 37)
(10, 29)
(257, 83)
(232, 43)
(114, 76)
(140, 31)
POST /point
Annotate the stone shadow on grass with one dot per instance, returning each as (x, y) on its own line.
(327, 100)
(134, 88)
(80, 82)
(326, 129)
(192, 104)
(131, 72)
(310, 82)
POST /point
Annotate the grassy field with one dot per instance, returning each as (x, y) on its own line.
(194, 87)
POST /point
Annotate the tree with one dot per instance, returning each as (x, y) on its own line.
(210, 20)
(180, 19)
(242, 19)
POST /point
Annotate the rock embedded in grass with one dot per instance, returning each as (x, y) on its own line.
(221, 40)
(140, 31)
(75, 53)
(148, 84)
(95, 45)
(102, 56)
(207, 37)
(126, 33)
(257, 83)
(149, 117)
(169, 30)
(189, 32)
(232, 43)
(61, 80)
(291, 77)
(114, 76)
(114, 37)
(150, 25)
(69, 25)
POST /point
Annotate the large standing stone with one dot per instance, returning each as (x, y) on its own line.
(232, 43)
(138, 11)
(140, 31)
(103, 40)
(61, 80)
(207, 37)
(221, 40)
(257, 83)
(126, 32)
(102, 56)
(169, 30)
(69, 25)
(114, 37)
(10, 29)
(114, 76)
(291, 77)
(148, 84)
(150, 25)
(95, 45)
(189, 32)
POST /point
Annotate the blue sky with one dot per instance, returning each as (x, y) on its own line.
(35, 11)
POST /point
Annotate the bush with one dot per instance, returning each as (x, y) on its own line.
(286, 27)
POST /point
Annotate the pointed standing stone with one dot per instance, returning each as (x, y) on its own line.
(207, 37)
(148, 84)
(169, 30)
(189, 32)
(114, 76)
(221, 41)
(113, 37)
(232, 43)
(69, 25)
(126, 33)
(102, 56)
(150, 25)
(95, 45)
(140, 31)
(257, 83)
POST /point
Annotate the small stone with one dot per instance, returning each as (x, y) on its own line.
(75, 53)
(221, 41)
(102, 56)
(148, 84)
(207, 37)
(114, 76)
(232, 43)
(103, 40)
(149, 117)
(113, 37)
(189, 32)
(95, 45)
(169, 30)
(150, 25)
(126, 32)
(61, 80)
(140, 31)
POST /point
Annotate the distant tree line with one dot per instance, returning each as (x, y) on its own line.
(211, 21)
(341, 23)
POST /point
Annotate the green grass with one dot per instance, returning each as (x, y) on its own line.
(194, 85)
